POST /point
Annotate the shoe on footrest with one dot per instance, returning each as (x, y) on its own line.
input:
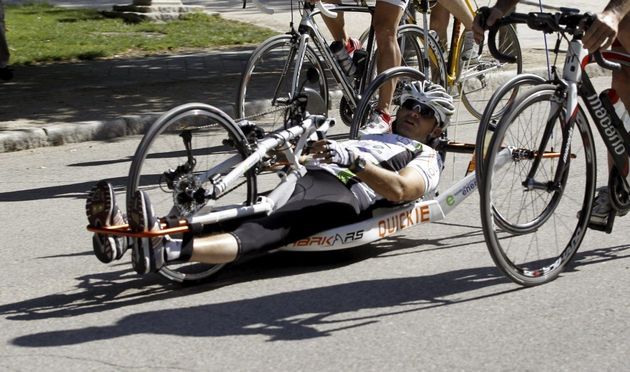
(102, 211)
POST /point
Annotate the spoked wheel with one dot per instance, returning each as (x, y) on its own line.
(500, 101)
(397, 77)
(264, 93)
(481, 77)
(532, 226)
(175, 163)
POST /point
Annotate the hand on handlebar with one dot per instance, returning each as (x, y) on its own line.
(483, 20)
(602, 33)
(330, 151)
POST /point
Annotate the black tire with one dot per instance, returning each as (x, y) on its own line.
(532, 233)
(158, 168)
(267, 80)
(369, 101)
(500, 101)
(479, 79)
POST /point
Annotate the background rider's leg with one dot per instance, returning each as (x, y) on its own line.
(440, 18)
(336, 26)
(460, 10)
(385, 21)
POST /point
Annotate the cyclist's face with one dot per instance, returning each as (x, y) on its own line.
(412, 124)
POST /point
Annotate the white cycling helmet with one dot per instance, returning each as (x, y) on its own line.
(432, 95)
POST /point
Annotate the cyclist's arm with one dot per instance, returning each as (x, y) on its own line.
(396, 187)
(501, 8)
(605, 27)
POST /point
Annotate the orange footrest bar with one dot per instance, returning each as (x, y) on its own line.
(125, 230)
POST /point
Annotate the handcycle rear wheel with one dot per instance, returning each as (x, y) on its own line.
(170, 165)
(264, 93)
(533, 232)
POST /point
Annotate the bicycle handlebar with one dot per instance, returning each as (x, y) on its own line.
(265, 9)
(569, 20)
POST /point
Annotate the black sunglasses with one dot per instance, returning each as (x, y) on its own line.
(425, 111)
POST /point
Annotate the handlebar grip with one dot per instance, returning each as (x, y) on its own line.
(322, 8)
(601, 61)
(262, 7)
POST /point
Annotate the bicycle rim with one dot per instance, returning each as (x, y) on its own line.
(533, 233)
(480, 78)
(265, 89)
(190, 134)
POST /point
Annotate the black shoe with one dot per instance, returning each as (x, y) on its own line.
(6, 73)
(147, 254)
(102, 211)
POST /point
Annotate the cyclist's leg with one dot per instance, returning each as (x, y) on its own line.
(385, 20)
(337, 25)
(319, 196)
(440, 18)
(621, 83)
(621, 79)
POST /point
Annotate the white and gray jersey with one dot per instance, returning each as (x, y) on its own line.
(392, 152)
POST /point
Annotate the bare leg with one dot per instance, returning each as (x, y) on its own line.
(460, 10)
(385, 21)
(621, 79)
(336, 26)
(440, 18)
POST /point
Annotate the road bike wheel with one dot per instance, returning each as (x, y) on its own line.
(264, 91)
(369, 101)
(533, 232)
(480, 78)
(171, 165)
(500, 101)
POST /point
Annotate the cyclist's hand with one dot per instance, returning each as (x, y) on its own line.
(602, 32)
(478, 29)
(330, 151)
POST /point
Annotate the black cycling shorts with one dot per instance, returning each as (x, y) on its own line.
(319, 202)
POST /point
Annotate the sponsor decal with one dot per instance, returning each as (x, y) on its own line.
(329, 240)
(604, 119)
(402, 220)
(450, 200)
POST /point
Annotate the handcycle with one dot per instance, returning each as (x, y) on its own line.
(205, 172)
(535, 210)
(297, 62)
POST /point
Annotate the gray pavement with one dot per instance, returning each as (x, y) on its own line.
(55, 104)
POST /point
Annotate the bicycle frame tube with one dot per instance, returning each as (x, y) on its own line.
(308, 26)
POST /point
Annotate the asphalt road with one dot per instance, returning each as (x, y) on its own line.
(427, 299)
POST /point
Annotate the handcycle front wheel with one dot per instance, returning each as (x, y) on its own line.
(532, 226)
(369, 102)
(175, 163)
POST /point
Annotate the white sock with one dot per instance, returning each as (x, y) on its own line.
(173, 249)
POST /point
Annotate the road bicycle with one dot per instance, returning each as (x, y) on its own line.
(535, 210)
(473, 80)
(297, 62)
(205, 172)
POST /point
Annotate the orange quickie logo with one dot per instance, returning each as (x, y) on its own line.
(404, 219)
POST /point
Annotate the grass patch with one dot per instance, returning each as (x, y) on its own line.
(45, 33)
